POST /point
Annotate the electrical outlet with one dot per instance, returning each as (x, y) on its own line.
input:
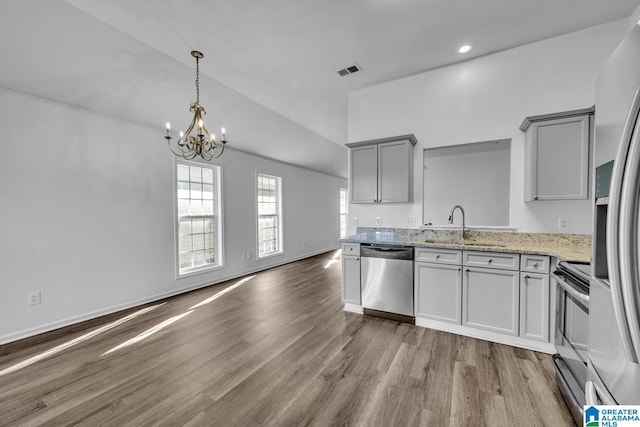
(564, 224)
(249, 255)
(411, 222)
(355, 221)
(378, 220)
(33, 298)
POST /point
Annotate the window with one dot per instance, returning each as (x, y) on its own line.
(344, 208)
(199, 242)
(269, 215)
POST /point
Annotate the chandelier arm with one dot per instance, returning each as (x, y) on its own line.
(191, 126)
(182, 153)
(185, 144)
(211, 142)
(217, 150)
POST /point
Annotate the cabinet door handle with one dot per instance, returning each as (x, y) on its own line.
(467, 270)
(357, 259)
(535, 197)
(437, 256)
(460, 269)
(489, 260)
(526, 276)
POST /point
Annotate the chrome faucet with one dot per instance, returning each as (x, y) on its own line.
(451, 220)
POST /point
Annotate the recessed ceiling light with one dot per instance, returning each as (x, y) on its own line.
(464, 49)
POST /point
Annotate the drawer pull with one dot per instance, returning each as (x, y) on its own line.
(535, 265)
(467, 270)
(437, 256)
(460, 269)
(489, 260)
(526, 276)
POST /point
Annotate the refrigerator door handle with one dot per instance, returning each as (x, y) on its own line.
(590, 394)
(593, 395)
(613, 229)
(628, 238)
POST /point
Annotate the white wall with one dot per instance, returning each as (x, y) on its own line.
(486, 99)
(88, 216)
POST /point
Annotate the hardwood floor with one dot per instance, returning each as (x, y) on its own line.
(276, 350)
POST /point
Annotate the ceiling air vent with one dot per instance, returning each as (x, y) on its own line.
(349, 70)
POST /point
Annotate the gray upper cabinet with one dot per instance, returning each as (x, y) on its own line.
(363, 176)
(381, 170)
(557, 155)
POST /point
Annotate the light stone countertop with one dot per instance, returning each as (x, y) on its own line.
(567, 247)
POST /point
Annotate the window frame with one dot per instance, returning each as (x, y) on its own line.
(279, 236)
(345, 192)
(217, 215)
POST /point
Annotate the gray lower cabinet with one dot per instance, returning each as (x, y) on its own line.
(501, 292)
(490, 299)
(351, 274)
(534, 306)
(438, 290)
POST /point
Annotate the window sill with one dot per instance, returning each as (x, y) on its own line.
(197, 271)
(270, 255)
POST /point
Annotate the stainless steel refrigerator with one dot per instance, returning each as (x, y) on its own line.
(614, 310)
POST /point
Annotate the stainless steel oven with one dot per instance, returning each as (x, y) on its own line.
(572, 333)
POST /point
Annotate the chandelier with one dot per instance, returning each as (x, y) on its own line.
(196, 141)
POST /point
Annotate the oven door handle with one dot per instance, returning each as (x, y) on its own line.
(570, 289)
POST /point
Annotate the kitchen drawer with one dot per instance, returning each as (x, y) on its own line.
(440, 256)
(500, 260)
(535, 263)
(351, 249)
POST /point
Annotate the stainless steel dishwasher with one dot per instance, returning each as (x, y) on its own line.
(386, 281)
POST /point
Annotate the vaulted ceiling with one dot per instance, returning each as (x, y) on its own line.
(267, 62)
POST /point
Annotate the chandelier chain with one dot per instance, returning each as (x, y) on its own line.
(197, 80)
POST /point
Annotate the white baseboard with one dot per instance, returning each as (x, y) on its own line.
(543, 347)
(51, 326)
(352, 308)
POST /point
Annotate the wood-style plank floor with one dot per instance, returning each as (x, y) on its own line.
(276, 350)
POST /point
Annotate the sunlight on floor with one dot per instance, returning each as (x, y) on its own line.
(71, 343)
(219, 294)
(149, 332)
(168, 322)
(334, 259)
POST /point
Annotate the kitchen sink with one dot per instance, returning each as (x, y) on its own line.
(467, 243)
(480, 243)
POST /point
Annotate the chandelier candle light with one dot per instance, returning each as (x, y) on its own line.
(203, 143)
